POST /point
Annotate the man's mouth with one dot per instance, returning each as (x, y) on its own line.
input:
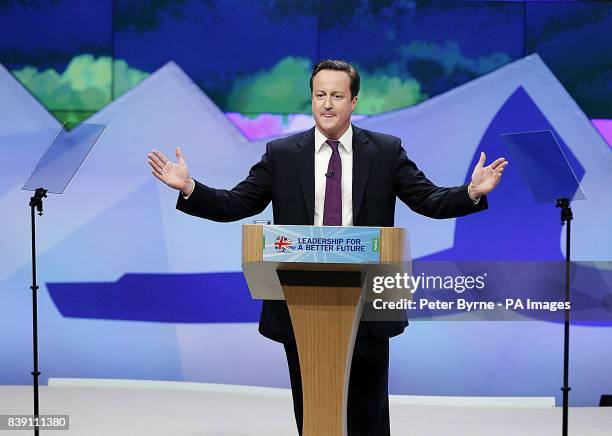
(327, 115)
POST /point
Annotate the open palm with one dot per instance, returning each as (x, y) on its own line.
(175, 175)
(485, 179)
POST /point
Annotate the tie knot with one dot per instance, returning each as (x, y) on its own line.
(333, 144)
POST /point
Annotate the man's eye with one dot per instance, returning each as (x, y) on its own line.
(337, 97)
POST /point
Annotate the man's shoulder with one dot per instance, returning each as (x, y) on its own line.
(377, 137)
(382, 141)
(289, 142)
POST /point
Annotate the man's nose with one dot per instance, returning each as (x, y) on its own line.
(327, 103)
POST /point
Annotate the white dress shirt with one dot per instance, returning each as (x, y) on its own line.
(323, 153)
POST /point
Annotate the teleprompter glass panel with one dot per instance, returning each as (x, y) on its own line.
(64, 156)
(543, 165)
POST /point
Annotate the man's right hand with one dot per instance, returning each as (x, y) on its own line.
(175, 175)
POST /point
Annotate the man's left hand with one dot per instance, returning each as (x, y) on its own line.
(485, 179)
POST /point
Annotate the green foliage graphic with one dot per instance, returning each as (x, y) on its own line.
(83, 88)
(285, 89)
(416, 71)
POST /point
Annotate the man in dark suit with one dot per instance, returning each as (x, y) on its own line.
(333, 174)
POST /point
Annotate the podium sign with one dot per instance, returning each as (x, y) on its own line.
(321, 244)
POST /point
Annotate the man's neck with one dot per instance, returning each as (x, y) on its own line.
(333, 137)
(346, 139)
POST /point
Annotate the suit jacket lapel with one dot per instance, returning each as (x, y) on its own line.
(362, 161)
(304, 155)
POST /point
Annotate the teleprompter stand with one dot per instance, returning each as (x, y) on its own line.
(566, 218)
(53, 172)
(549, 176)
(36, 204)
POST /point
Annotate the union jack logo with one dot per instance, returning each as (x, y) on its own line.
(283, 244)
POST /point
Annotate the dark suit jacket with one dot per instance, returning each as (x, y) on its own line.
(285, 176)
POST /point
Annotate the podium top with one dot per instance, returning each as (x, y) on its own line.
(268, 248)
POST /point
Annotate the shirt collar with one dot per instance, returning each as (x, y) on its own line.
(346, 140)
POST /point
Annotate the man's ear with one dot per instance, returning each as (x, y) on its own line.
(354, 102)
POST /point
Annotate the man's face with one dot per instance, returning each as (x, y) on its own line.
(332, 104)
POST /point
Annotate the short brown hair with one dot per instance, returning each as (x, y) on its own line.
(337, 65)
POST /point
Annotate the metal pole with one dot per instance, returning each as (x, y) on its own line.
(566, 218)
(35, 204)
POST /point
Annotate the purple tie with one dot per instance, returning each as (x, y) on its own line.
(332, 213)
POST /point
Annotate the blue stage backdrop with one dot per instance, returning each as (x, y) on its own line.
(131, 288)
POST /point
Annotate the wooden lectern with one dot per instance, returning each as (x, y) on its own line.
(325, 302)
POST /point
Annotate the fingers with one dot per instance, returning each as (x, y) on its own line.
(498, 162)
(156, 167)
(179, 155)
(483, 158)
(160, 156)
(500, 167)
(157, 160)
(159, 176)
(497, 173)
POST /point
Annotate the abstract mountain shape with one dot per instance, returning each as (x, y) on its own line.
(26, 130)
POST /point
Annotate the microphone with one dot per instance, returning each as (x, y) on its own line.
(329, 174)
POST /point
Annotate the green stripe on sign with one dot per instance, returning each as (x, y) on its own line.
(376, 245)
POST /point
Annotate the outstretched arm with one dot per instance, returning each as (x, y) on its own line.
(248, 198)
(425, 198)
